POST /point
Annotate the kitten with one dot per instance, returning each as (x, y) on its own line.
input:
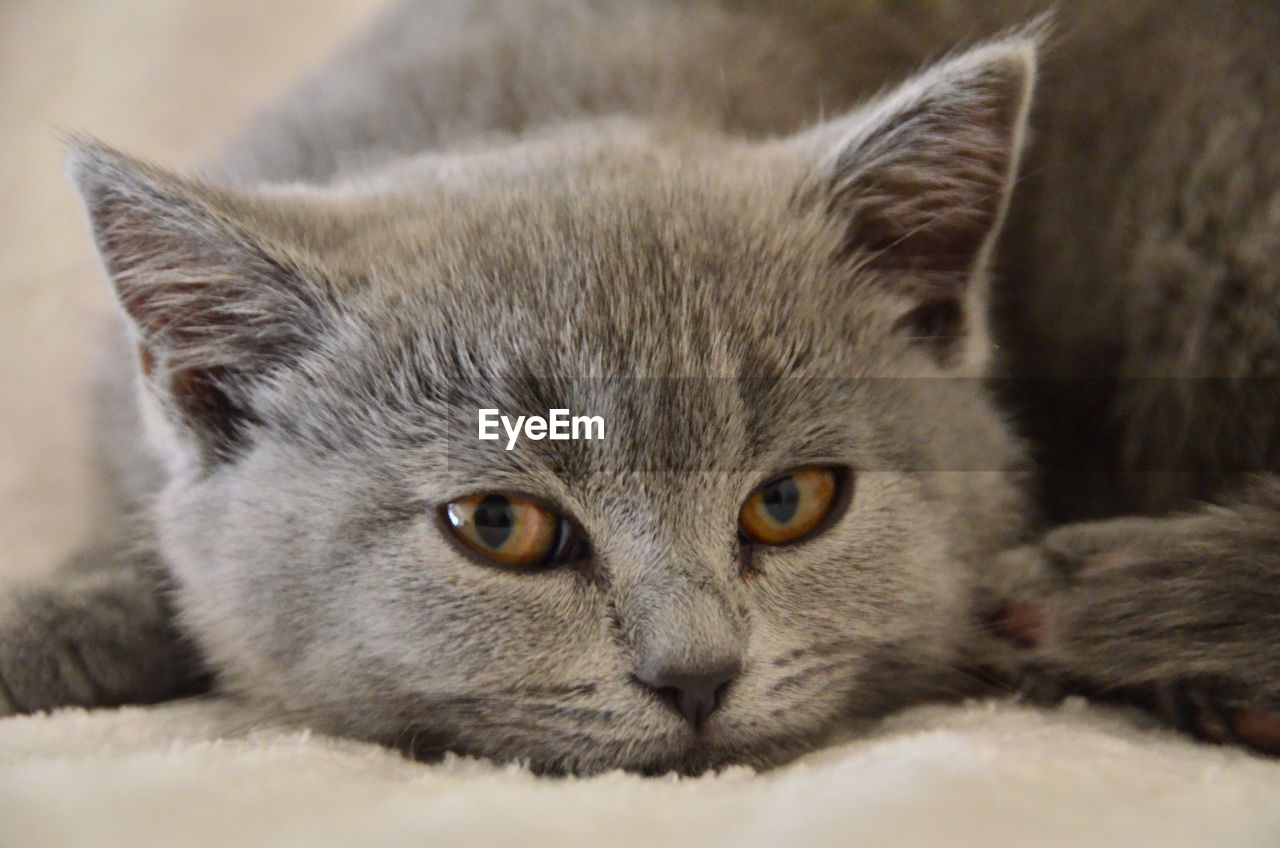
(633, 211)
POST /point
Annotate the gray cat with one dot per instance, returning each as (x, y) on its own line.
(701, 224)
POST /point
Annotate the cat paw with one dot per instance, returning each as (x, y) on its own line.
(1156, 613)
(91, 643)
(39, 670)
(1209, 711)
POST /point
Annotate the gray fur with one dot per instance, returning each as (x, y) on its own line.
(564, 202)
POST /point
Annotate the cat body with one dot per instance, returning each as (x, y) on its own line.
(683, 219)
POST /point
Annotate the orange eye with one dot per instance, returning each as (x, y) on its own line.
(509, 529)
(787, 508)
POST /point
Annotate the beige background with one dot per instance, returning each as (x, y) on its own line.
(165, 79)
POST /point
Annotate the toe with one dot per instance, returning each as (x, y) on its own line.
(1257, 729)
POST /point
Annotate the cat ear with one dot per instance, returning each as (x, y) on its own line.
(920, 180)
(213, 307)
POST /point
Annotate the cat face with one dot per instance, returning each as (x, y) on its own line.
(313, 362)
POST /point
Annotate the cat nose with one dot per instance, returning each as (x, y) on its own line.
(695, 692)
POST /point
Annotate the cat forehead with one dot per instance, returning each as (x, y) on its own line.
(544, 201)
(634, 252)
(694, 364)
(628, 290)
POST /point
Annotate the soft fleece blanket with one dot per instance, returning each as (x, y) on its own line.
(203, 773)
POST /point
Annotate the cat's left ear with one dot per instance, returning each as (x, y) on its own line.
(919, 181)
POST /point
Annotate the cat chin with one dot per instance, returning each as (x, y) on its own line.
(683, 753)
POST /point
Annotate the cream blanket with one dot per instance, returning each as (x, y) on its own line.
(989, 774)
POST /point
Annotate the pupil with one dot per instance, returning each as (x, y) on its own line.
(493, 520)
(782, 500)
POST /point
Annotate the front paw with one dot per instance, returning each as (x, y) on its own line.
(40, 668)
(1165, 613)
(100, 640)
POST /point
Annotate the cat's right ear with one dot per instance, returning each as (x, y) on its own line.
(214, 306)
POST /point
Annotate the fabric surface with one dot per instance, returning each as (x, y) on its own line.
(986, 774)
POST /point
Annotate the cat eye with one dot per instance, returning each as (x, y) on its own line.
(511, 530)
(789, 508)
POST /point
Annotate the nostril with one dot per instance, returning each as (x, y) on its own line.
(671, 695)
(694, 694)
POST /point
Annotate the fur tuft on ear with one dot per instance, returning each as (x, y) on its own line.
(920, 180)
(212, 307)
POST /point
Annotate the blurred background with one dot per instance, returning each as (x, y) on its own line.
(165, 79)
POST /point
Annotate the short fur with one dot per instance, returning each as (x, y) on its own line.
(680, 217)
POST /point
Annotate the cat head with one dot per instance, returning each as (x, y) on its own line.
(766, 330)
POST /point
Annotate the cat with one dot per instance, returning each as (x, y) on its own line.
(843, 325)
